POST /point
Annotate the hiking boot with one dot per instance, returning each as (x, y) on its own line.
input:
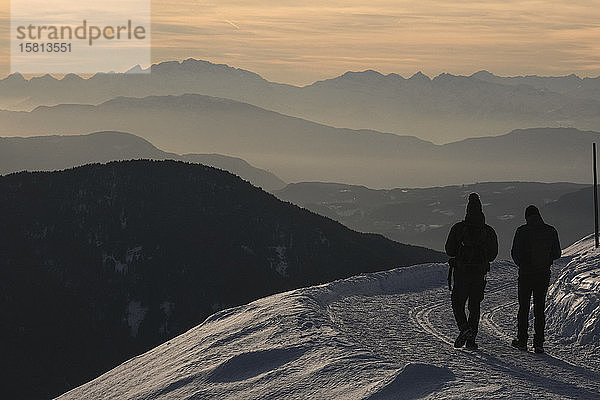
(471, 344)
(462, 338)
(539, 349)
(519, 344)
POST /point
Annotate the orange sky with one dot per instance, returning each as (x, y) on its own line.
(300, 42)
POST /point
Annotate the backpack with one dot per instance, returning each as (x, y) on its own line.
(472, 246)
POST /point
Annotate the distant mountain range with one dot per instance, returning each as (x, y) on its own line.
(48, 153)
(408, 215)
(442, 109)
(571, 85)
(424, 216)
(300, 150)
(102, 262)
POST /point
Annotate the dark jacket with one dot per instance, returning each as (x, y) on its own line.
(490, 244)
(535, 246)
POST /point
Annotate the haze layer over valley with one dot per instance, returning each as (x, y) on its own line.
(299, 150)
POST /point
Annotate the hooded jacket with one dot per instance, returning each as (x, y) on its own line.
(535, 245)
(474, 219)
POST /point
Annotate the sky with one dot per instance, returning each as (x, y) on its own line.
(300, 42)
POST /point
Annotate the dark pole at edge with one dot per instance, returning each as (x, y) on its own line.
(595, 198)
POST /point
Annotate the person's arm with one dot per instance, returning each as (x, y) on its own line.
(452, 242)
(492, 250)
(556, 251)
(517, 247)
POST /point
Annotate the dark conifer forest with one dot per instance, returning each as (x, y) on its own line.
(102, 262)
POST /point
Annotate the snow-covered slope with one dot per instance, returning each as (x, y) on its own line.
(386, 335)
(574, 299)
(284, 346)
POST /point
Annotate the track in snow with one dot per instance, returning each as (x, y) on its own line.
(419, 327)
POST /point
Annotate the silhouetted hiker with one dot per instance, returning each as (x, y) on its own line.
(534, 248)
(472, 244)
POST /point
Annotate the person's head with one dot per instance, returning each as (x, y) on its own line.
(474, 210)
(532, 213)
(474, 203)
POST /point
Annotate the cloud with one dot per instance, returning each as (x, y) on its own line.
(303, 41)
(232, 24)
(299, 42)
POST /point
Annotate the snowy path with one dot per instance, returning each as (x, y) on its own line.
(419, 327)
(382, 336)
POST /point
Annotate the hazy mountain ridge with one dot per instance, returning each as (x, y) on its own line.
(441, 109)
(424, 216)
(193, 122)
(300, 150)
(47, 90)
(403, 214)
(47, 153)
(101, 262)
(571, 85)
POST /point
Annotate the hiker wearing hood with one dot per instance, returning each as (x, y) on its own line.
(534, 249)
(472, 245)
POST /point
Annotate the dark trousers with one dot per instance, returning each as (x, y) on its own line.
(536, 285)
(468, 287)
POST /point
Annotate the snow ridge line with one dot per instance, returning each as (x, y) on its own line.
(412, 278)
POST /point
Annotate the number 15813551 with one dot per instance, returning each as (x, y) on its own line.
(35, 47)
